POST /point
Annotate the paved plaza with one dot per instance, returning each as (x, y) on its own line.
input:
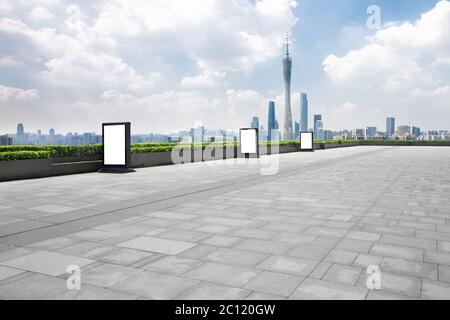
(223, 230)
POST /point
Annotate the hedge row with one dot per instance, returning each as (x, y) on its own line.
(19, 155)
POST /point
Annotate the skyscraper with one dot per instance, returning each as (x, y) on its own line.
(20, 134)
(271, 123)
(303, 112)
(255, 123)
(287, 71)
(390, 126)
(296, 130)
(317, 118)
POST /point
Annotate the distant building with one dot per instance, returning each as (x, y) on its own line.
(317, 118)
(303, 112)
(390, 126)
(358, 134)
(287, 72)
(415, 132)
(404, 130)
(271, 122)
(296, 130)
(198, 134)
(5, 140)
(320, 133)
(371, 132)
(20, 134)
(255, 123)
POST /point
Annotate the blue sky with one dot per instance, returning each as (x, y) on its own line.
(164, 65)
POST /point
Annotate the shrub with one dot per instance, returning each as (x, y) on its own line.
(21, 155)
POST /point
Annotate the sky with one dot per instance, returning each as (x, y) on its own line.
(167, 65)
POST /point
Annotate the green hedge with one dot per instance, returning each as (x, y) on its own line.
(20, 155)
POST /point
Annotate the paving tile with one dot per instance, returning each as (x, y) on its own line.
(275, 283)
(14, 253)
(125, 256)
(341, 257)
(157, 245)
(365, 260)
(52, 244)
(210, 291)
(409, 242)
(51, 208)
(6, 272)
(263, 296)
(444, 273)
(313, 289)
(344, 274)
(291, 265)
(43, 287)
(414, 268)
(309, 252)
(355, 245)
(439, 257)
(235, 257)
(397, 252)
(172, 265)
(363, 235)
(108, 274)
(436, 290)
(382, 295)
(396, 283)
(154, 285)
(264, 246)
(49, 263)
(221, 241)
(320, 270)
(253, 233)
(223, 274)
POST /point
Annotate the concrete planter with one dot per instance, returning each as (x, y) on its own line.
(337, 145)
(24, 169)
(77, 159)
(142, 160)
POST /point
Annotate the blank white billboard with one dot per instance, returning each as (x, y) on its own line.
(306, 141)
(114, 145)
(249, 141)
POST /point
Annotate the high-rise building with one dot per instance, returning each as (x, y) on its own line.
(5, 140)
(287, 72)
(255, 123)
(317, 117)
(390, 126)
(20, 134)
(20, 129)
(51, 137)
(303, 112)
(320, 132)
(296, 130)
(404, 130)
(415, 132)
(271, 122)
(371, 132)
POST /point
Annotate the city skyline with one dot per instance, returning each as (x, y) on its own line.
(66, 66)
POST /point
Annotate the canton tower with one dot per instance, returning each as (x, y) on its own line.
(287, 71)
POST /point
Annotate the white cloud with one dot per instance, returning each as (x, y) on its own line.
(81, 69)
(401, 56)
(345, 108)
(41, 14)
(17, 94)
(206, 79)
(8, 62)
